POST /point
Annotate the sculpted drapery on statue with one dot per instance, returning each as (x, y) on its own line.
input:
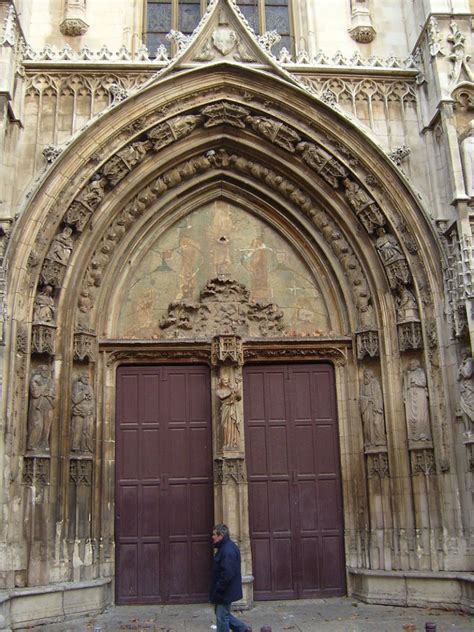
(415, 395)
(40, 412)
(83, 415)
(466, 387)
(229, 394)
(44, 308)
(372, 409)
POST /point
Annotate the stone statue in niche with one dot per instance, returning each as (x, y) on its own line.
(83, 415)
(466, 387)
(372, 409)
(415, 396)
(44, 308)
(467, 156)
(388, 246)
(40, 411)
(61, 246)
(407, 308)
(229, 394)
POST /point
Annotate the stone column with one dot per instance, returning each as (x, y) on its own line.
(230, 472)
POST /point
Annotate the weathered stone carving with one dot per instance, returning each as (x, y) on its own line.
(80, 472)
(43, 338)
(36, 471)
(276, 131)
(172, 130)
(41, 407)
(124, 161)
(399, 154)
(44, 307)
(229, 469)
(55, 264)
(467, 155)
(410, 336)
(85, 203)
(367, 343)
(74, 23)
(393, 259)
(225, 308)
(227, 350)
(466, 389)
(377, 465)
(85, 346)
(83, 415)
(458, 57)
(223, 113)
(415, 397)
(51, 153)
(434, 38)
(229, 394)
(423, 462)
(372, 410)
(322, 162)
(364, 206)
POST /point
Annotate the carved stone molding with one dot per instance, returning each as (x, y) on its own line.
(43, 339)
(377, 465)
(228, 470)
(80, 472)
(36, 471)
(22, 340)
(410, 336)
(227, 350)
(422, 462)
(156, 353)
(224, 308)
(297, 349)
(367, 344)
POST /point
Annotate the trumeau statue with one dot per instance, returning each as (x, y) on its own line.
(372, 409)
(229, 395)
(83, 415)
(466, 387)
(40, 411)
(415, 396)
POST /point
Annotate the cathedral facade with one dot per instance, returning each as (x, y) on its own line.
(236, 286)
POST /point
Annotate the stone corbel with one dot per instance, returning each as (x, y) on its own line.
(85, 346)
(361, 30)
(410, 335)
(74, 18)
(43, 338)
(227, 350)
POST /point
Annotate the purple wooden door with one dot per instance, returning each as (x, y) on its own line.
(164, 484)
(295, 505)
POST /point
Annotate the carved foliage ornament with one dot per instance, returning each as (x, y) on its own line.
(229, 470)
(377, 465)
(36, 471)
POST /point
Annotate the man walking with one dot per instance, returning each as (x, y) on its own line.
(226, 585)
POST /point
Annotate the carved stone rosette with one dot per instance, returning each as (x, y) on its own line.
(85, 346)
(229, 470)
(410, 336)
(423, 462)
(227, 350)
(367, 343)
(36, 471)
(43, 339)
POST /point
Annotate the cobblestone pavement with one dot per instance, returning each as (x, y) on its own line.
(312, 615)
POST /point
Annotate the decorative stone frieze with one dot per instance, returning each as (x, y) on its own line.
(43, 339)
(229, 469)
(322, 162)
(36, 471)
(9, 28)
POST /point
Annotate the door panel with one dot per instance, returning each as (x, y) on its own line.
(295, 508)
(164, 484)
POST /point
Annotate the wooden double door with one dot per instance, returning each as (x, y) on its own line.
(164, 483)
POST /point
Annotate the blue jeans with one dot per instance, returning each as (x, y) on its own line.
(226, 621)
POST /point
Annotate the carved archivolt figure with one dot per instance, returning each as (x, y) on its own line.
(40, 412)
(466, 386)
(83, 415)
(230, 418)
(371, 406)
(407, 307)
(387, 246)
(61, 246)
(415, 396)
(44, 308)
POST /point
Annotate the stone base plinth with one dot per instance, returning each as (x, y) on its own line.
(450, 590)
(22, 608)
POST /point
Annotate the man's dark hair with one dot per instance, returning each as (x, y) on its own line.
(221, 529)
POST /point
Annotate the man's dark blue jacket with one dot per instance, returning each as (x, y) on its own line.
(226, 584)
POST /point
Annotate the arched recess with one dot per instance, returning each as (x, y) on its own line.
(239, 135)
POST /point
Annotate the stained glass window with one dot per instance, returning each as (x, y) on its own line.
(184, 15)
